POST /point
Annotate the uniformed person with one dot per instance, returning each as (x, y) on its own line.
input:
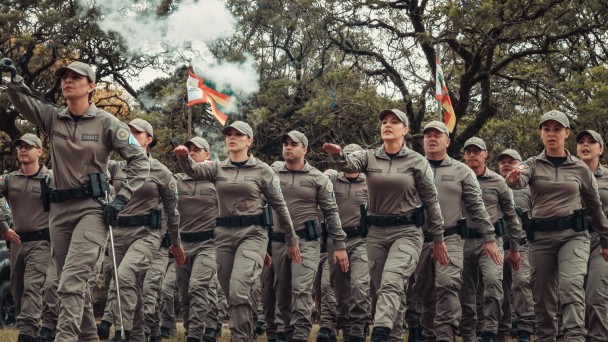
(167, 301)
(518, 302)
(306, 190)
(589, 148)
(29, 238)
(82, 137)
(152, 287)
(560, 186)
(242, 183)
(437, 285)
(195, 277)
(396, 175)
(137, 230)
(323, 292)
(498, 200)
(352, 288)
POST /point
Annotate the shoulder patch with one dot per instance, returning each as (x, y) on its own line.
(329, 187)
(429, 173)
(276, 183)
(594, 183)
(122, 134)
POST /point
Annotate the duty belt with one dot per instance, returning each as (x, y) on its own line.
(137, 221)
(352, 232)
(475, 234)
(506, 245)
(41, 235)
(63, 195)
(197, 237)
(241, 221)
(569, 222)
(393, 220)
(428, 237)
(303, 233)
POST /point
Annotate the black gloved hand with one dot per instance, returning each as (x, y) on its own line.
(111, 210)
(6, 65)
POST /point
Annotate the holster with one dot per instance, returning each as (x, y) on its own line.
(582, 223)
(419, 217)
(268, 222)
(363, 227)
(312, 230)
(45, 194)
(156, 219)
(500, 227)
(462, 228)
(99, 185)
(526, 224)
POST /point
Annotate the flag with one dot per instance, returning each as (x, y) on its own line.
(199, 92)
(442, 95)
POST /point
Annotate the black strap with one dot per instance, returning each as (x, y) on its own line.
(391, 220)
(41, 235)
(302, 233)
(240, 221)
(63, 195)
(135, 221)
(475, 234)
(197, 237)
(506, 245)
(352, 232)
(554, 225)
(278, 237)
(428, 237)
(165, 242)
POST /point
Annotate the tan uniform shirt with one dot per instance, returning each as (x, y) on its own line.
(159, 190)
(557, 191)
(498, 199)
(459, 192)
(83, 147)
(242, 191)
(197, 204)
(601, 175)
(349, 197)
(394, 185)
(305, 192)
(24, 198)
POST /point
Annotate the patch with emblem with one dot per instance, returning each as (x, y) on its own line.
(276, 183)
(429, 173)
(373, 169)
(122, 134)
(594, 183)
(172, 185)
(329, 187)
(307, 184)
(570, 178)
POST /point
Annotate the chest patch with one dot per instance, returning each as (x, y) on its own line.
(448, 178)
(90, 137)
(306, 184)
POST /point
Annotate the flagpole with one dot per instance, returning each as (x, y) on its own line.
(189, 123)
(438, 57)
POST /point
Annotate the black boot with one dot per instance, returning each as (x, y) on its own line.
(487, 336)
(380, 334)
(210, 335)
(523, 336)
(103, 330)
(356, 339)
(218, 328)
(155, 339)
(165, 332)
(415, 334)
(193, 339)
(25, 338)
(281, 337)
(259, 328)
(513, 331)
(324, 335)
(45, 335)
(120, 337)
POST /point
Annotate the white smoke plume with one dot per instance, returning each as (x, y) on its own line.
(183, 34)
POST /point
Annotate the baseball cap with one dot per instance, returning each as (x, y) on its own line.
(438, 125)
(401, 115)
(29, 139)
(198, 142)
(296, 136)
(555, 115)
(78, 67)
(351, 148)
(142, 125)
(509, 152)
(595, 135)
(475, 141)
(240, 126)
